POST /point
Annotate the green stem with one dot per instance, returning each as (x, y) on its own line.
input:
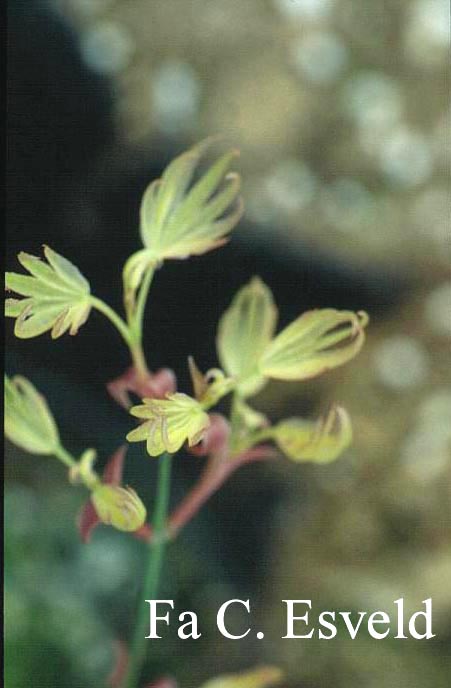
(90, 479)
(136, 324)
(64, 456)
(138, 315)
(234, 411)
(139, 360)
(131, 338)
(152, 577)
(234, 419)
(114, 318)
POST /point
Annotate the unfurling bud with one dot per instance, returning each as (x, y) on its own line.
(119, 507)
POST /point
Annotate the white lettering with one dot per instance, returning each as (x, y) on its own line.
(220, 619)
(291, 618)
(154, 618)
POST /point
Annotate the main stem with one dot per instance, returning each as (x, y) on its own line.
(152, 576)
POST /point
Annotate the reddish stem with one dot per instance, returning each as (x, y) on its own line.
(218, 469)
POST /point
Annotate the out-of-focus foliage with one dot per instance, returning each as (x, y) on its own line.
(54, 588)
(261, 677)
(341, 118)
(382, 513)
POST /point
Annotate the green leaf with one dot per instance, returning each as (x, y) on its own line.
(169, 423)
(57, 296)
(28, 420)
(321, 442)
(119, 507)
(244, 332)
(176, 221)
(314, 343)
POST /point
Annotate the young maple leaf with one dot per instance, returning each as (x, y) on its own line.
(56, 296)
(169, 423)
(178, 220)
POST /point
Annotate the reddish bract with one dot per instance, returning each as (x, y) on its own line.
(154, 386)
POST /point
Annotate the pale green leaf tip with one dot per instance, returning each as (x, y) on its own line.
(29, 422)
(320, 442)
(314, 343)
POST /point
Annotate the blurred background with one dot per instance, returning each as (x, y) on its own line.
(341, 111)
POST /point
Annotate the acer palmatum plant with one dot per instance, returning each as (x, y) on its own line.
(179, 219)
